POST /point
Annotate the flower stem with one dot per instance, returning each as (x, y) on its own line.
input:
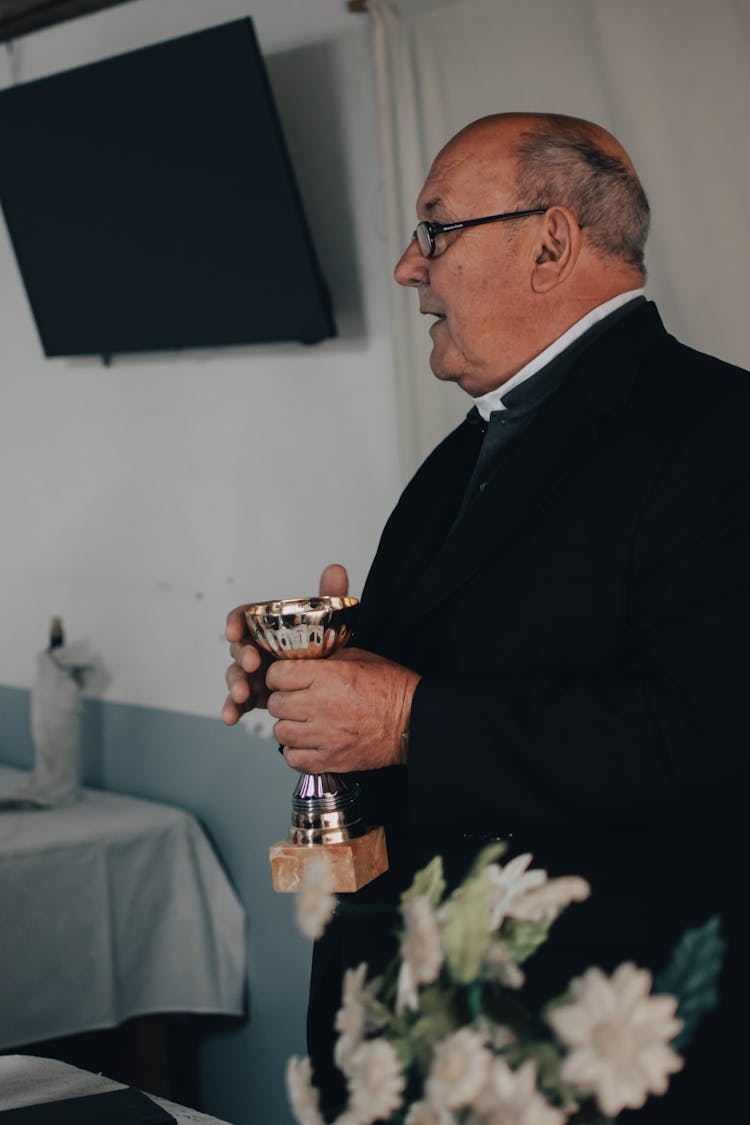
(474, 999)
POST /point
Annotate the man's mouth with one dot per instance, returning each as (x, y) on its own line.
(439, 319)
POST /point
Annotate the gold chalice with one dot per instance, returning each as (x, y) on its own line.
(325, 806)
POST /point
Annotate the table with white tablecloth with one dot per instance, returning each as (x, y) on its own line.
(26, 1080)
(111, 908)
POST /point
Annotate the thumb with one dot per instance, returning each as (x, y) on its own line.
(334, 581)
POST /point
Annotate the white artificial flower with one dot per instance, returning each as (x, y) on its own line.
(376, 1083)
(423, 1113)
(421, 951)
(618, 1035)
(496, 1035)
(459, 1069)
(303, 1096)
(315, 903)
(549, 900)
(510, 883)
(510, 1097)
(406, 989)
(352, 1018)
(500, 966)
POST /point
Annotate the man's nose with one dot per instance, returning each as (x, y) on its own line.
(412, 268)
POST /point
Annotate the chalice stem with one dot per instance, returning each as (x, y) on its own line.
(325, 810)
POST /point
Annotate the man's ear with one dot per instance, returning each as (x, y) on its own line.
(556, 249)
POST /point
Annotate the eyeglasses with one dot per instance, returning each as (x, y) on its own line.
(425, 232)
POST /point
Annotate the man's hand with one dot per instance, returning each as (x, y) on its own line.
(345, 713)
(246, 676)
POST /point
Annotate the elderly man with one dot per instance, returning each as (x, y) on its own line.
(553, 640)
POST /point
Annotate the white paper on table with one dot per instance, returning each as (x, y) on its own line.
(30, 1080)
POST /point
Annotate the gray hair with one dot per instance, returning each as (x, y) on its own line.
(559, 162)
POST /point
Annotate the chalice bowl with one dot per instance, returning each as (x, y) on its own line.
(325, 806)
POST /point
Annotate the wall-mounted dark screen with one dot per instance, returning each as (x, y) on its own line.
(151, 203)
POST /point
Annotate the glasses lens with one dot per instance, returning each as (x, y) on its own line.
(424, 239)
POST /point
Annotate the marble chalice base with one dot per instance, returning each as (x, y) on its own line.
(354, 863)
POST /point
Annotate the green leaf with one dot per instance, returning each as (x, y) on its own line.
(489, 854)
(474, 999)
(465, 929)
(691, 975)
(439, 1015)
(504, 1008)
(524, 938)
(404, 1048)
(429, 881)
(378, 1014)
(547, 1059)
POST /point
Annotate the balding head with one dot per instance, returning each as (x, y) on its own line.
(576, 163)
(504, 291)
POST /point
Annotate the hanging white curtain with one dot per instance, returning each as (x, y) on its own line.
(671, 80)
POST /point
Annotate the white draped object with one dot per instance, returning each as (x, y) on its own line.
(671, 80)
(112, 908)
(56, 715)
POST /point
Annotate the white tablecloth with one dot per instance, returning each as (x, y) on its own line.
(27, 1080)
(111, 908)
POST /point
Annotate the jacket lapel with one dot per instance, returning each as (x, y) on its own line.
(564, 434)
(526, 474)
(418, 526)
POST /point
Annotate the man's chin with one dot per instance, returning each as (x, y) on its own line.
(449, 373)
(442, 368)
(456, 370)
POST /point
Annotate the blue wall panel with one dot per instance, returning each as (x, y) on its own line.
(240, 790)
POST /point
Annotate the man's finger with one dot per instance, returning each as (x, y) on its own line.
(306, 761)
(287, 705)
(239, 688)
(236, 625)
(231, 712)
(246, 655)
(296, 735)
(291, 675)
(334, 581)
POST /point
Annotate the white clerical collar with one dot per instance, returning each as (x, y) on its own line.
(492, 400)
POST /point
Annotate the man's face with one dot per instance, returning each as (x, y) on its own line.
(478, 284)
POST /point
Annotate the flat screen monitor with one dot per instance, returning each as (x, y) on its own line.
(151, 203)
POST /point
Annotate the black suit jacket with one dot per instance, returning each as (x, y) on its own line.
(583, 639)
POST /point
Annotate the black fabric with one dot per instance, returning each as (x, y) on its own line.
(523, 402)
(506, 426)
(116, 1107)
(583, 641)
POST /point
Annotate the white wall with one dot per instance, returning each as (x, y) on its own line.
(143, 501)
